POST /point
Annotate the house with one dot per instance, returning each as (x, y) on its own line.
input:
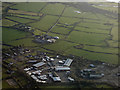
(39, 64)
(68, 62)
(61, 68)
(51, 40)
(56, 37)
(92, 65)
(60, 62)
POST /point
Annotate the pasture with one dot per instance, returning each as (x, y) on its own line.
(18, 19)
(9, 34)
(60, 30)
(53, 9)
(45, 23)
(97, 31)
(30, 6)
(87, 38)
(6, 22)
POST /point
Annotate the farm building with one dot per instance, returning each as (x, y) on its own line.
(62, 68)
(39, 64)
(32, 61)
(55, 77)
(68, 62)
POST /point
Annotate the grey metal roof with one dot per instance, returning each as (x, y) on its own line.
(39, 64)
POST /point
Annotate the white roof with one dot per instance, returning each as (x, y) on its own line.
(39, 64)
(34, 77)
(68, 62)
(62, 68)
(56, 78)
(71, 79)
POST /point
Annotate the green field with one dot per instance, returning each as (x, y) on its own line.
(94, 25)
(91, 30)
(30, 6)
(60, 30)
(26, 42)
(28, 16)
(6, 22)
(9, 34)
(66, 20)
(113, 59)
(101, 49)
(21, 20)
(45, 23)
(70, 11)
(60, 46)
(53, 9)
(87, 38)
(74, 25)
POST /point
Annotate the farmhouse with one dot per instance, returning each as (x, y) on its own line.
(39, 64)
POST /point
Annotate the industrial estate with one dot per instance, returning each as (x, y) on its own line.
(60, 45)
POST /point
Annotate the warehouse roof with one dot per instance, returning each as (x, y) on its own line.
(68, 62)
(39, 64)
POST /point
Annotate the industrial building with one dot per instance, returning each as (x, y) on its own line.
(68, 62)
(61, 68)
(55, 77)
(39, 64)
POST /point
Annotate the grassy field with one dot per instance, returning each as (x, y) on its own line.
(26, 42)
(28, 16)
(30, 6)
(66, 20)
(21, 20)
(113, 59)
(87, 28)
(94, 25)
(22, 12)
(87, 38)
(101, 49)
(60, 30)
(107, 6)
(60, 46)
(6, 22)
(11, 34)
(70, 11)
(53, 9)
(114, 33)
(45, 23)
(91, 30)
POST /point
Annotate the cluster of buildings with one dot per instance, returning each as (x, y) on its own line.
(46, 69)
(25, 28)
(45, 39)
(91, 73)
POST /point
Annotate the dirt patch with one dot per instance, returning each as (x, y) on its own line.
(23, 12)
(11, 82)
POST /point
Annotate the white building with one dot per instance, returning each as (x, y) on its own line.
(39, 64)
(61, 68)
(55, 77)
(68, 62)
